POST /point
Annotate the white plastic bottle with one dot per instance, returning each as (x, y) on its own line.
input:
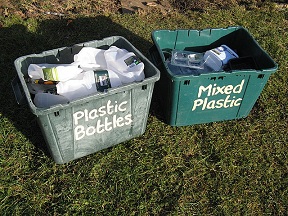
(126, 64)
(88, 83)
(46, 100)
(218, 57)
(90, 58)
(55, 72)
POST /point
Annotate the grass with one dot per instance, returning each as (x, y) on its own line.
(236, 167)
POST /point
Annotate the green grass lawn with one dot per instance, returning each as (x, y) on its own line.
(236, 167)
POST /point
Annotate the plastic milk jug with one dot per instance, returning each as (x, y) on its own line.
(218, 57)
(90, 58)
(88, 83)
(126, 64)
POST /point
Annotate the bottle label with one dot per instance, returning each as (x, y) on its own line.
(50, 74)
(102, 80)
(132, 61)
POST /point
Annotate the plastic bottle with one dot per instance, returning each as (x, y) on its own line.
(88, 83)
(126, 64)
(55, 72)
(90, 58)
(128, 67)
(218, 57)
(46, 100)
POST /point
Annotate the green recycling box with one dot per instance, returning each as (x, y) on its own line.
(216, 96)
(99, 121)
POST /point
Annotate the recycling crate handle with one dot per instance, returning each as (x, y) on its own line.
(19, 95)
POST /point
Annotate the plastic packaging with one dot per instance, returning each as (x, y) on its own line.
(90, 58)
(186, 62)
(128, 67)
(218, 57)
(187, 59)
(54, 72)
(180, 70)
(93, 70)
(88, 83)
(126, 64)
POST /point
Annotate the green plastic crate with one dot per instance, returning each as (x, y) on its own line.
(210, 97)
(95, 122)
